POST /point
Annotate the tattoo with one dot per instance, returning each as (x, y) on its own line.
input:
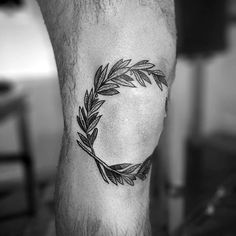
(106, 83)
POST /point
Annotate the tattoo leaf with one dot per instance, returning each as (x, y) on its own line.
(82, 118)
(144, 77)
(94, 123)
(143, 65)
(128, 180)
(97, 76)
(84, 139)
(159, 78)
(107, 86)
(90, 99)
(111, 176)
(83, 114)
(142, 62)
(86, 97)
(159, 73)
(124, 80)
(100, 77)
(126, 77)
(139, 78)
(119, 179)
(144, 169)
(120, 176)
(159, 81)
(81, 124)
(120, 166)
(96, 106)
(109, 92)
(131, 169)
(163, 80)
(125, 63)
(118, 65)
(118, 73)
(155, 77)
(93, 136)
(92, 118)
(102, 172)
(115, 67)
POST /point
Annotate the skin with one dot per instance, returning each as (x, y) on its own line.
(85, 35)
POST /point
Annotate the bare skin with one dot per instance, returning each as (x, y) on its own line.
(95, 196)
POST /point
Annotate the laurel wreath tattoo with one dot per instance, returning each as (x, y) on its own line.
(106, 83)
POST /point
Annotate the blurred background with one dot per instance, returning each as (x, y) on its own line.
(193, 189)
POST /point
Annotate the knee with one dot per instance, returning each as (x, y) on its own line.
(132, 122)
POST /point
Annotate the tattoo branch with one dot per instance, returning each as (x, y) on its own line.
(106, 83)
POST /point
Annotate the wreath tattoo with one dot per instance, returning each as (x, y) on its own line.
(106, 83)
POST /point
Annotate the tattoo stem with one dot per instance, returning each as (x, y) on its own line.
(92, 154)
(97, 159)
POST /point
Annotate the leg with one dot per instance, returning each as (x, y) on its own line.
(115, 62)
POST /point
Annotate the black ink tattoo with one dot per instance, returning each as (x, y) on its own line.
(106, 83)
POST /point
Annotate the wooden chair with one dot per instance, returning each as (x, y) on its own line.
(13, 103)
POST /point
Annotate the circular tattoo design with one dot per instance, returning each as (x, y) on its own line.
(106, 83)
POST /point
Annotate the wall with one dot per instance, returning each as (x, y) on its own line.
(27, 59)
(219, 107)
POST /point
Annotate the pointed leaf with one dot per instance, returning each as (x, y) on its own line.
(144, 65)
(107, 86)
(81, 124)
(115, 67)
(158, 72)
(118, 73)
(109, 92)
(102, 172)
(92, 118)
(84, 139)
(131, 169)
(101, 78)
(161, 77)
(94, 123)
(144, 77)
(120, 166)
(145, 168)
(83, 114)
(124, 80)
(96, 106)
(97, 77)
(86, 100)
(90, 99)
(128, 180)
(82, 117)
(126, 77)
(163, 80)
(119, 179)
(142, 62)
(160, 86)
(141, 176)
(125, 63)
(95, 100)
(138, 78)
(132, 176)
(111, 176)
(155, 77)
(93, 136)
